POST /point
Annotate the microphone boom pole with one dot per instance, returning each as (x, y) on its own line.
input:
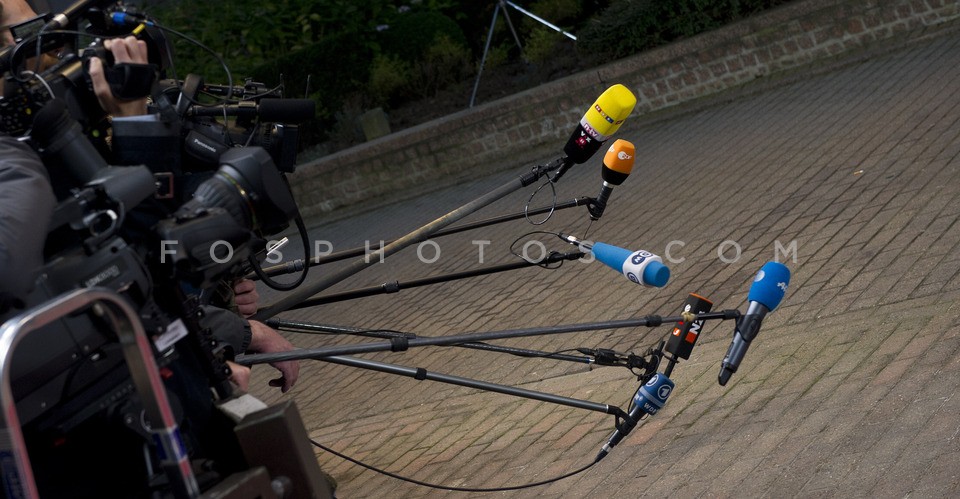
(398, 344)
(417, 236)
(311, 328)
(423, 374)
(291, 267)
(397, 286)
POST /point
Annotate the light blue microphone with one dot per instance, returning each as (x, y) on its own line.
(641, 267)
(766, 292)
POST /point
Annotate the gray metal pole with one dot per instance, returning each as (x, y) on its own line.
(417, 236)
(422, 374)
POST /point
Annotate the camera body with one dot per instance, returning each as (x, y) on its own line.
(115, 227)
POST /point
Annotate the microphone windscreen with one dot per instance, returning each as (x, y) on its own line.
(618, 162)
(581, 145)
(609, 111)
(287, 110)
(609, 255)
(600, 122)
(654, 393)
(770, 285)
(641, 267)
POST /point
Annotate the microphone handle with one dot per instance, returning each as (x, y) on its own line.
(649, 398)
(598, 205)
(636, 412)
(747, 329)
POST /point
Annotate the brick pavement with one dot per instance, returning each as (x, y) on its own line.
(851, 388)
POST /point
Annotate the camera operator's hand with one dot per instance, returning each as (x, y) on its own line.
(124, 50)
(239, 375)
(246, 297)
(265, 339)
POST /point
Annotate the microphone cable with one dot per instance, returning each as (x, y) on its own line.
(305, 239)
(553, 203)
(551, 181)
(546, 255)
(448, 487)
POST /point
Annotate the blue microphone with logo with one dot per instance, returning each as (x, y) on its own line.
(766, 292)
(641, 267)
(649, 399)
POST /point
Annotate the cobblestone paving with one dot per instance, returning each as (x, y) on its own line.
(851, 173)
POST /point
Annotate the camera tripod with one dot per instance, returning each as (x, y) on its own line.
(493, 23)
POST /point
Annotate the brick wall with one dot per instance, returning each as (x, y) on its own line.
(526, 128)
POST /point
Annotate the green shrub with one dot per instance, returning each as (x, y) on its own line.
(557, 12)
(389, 79)
(336, 66)
(543, 44)
(413, 34)
(445, 62)
(630, 26)
(497, 56)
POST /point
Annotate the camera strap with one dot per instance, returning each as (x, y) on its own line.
(131, 81)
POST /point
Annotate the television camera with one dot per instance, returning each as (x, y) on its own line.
(123, 234)
(258, 115)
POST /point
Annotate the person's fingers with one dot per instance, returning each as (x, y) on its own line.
(100, 86)
(244, 286)
(289, 373)
(246, 309)
(239, 375)
(127, 50)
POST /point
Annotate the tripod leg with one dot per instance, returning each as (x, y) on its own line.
(506, 15)
(486, 48)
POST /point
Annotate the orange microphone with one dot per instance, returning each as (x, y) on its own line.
(617, 164)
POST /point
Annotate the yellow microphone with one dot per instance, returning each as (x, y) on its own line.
(600, 122)
(617, 164)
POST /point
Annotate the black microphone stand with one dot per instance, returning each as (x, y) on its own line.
(400, 342)
(312, 328)
(414, 237)
(396, 286)
(297, 265)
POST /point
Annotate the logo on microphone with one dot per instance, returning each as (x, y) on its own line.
(664, 392)
(603, 114)
(590, 131)
(623, 156)
(655, 392)
(633, 277)
(640, 256)
(782, 286)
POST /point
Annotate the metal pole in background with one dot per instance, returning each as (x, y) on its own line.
(516, 38)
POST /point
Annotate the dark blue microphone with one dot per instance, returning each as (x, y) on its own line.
(649, 399)
(766, 292)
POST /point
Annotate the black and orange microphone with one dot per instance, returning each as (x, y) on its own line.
(617, 164)
(685, 334)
